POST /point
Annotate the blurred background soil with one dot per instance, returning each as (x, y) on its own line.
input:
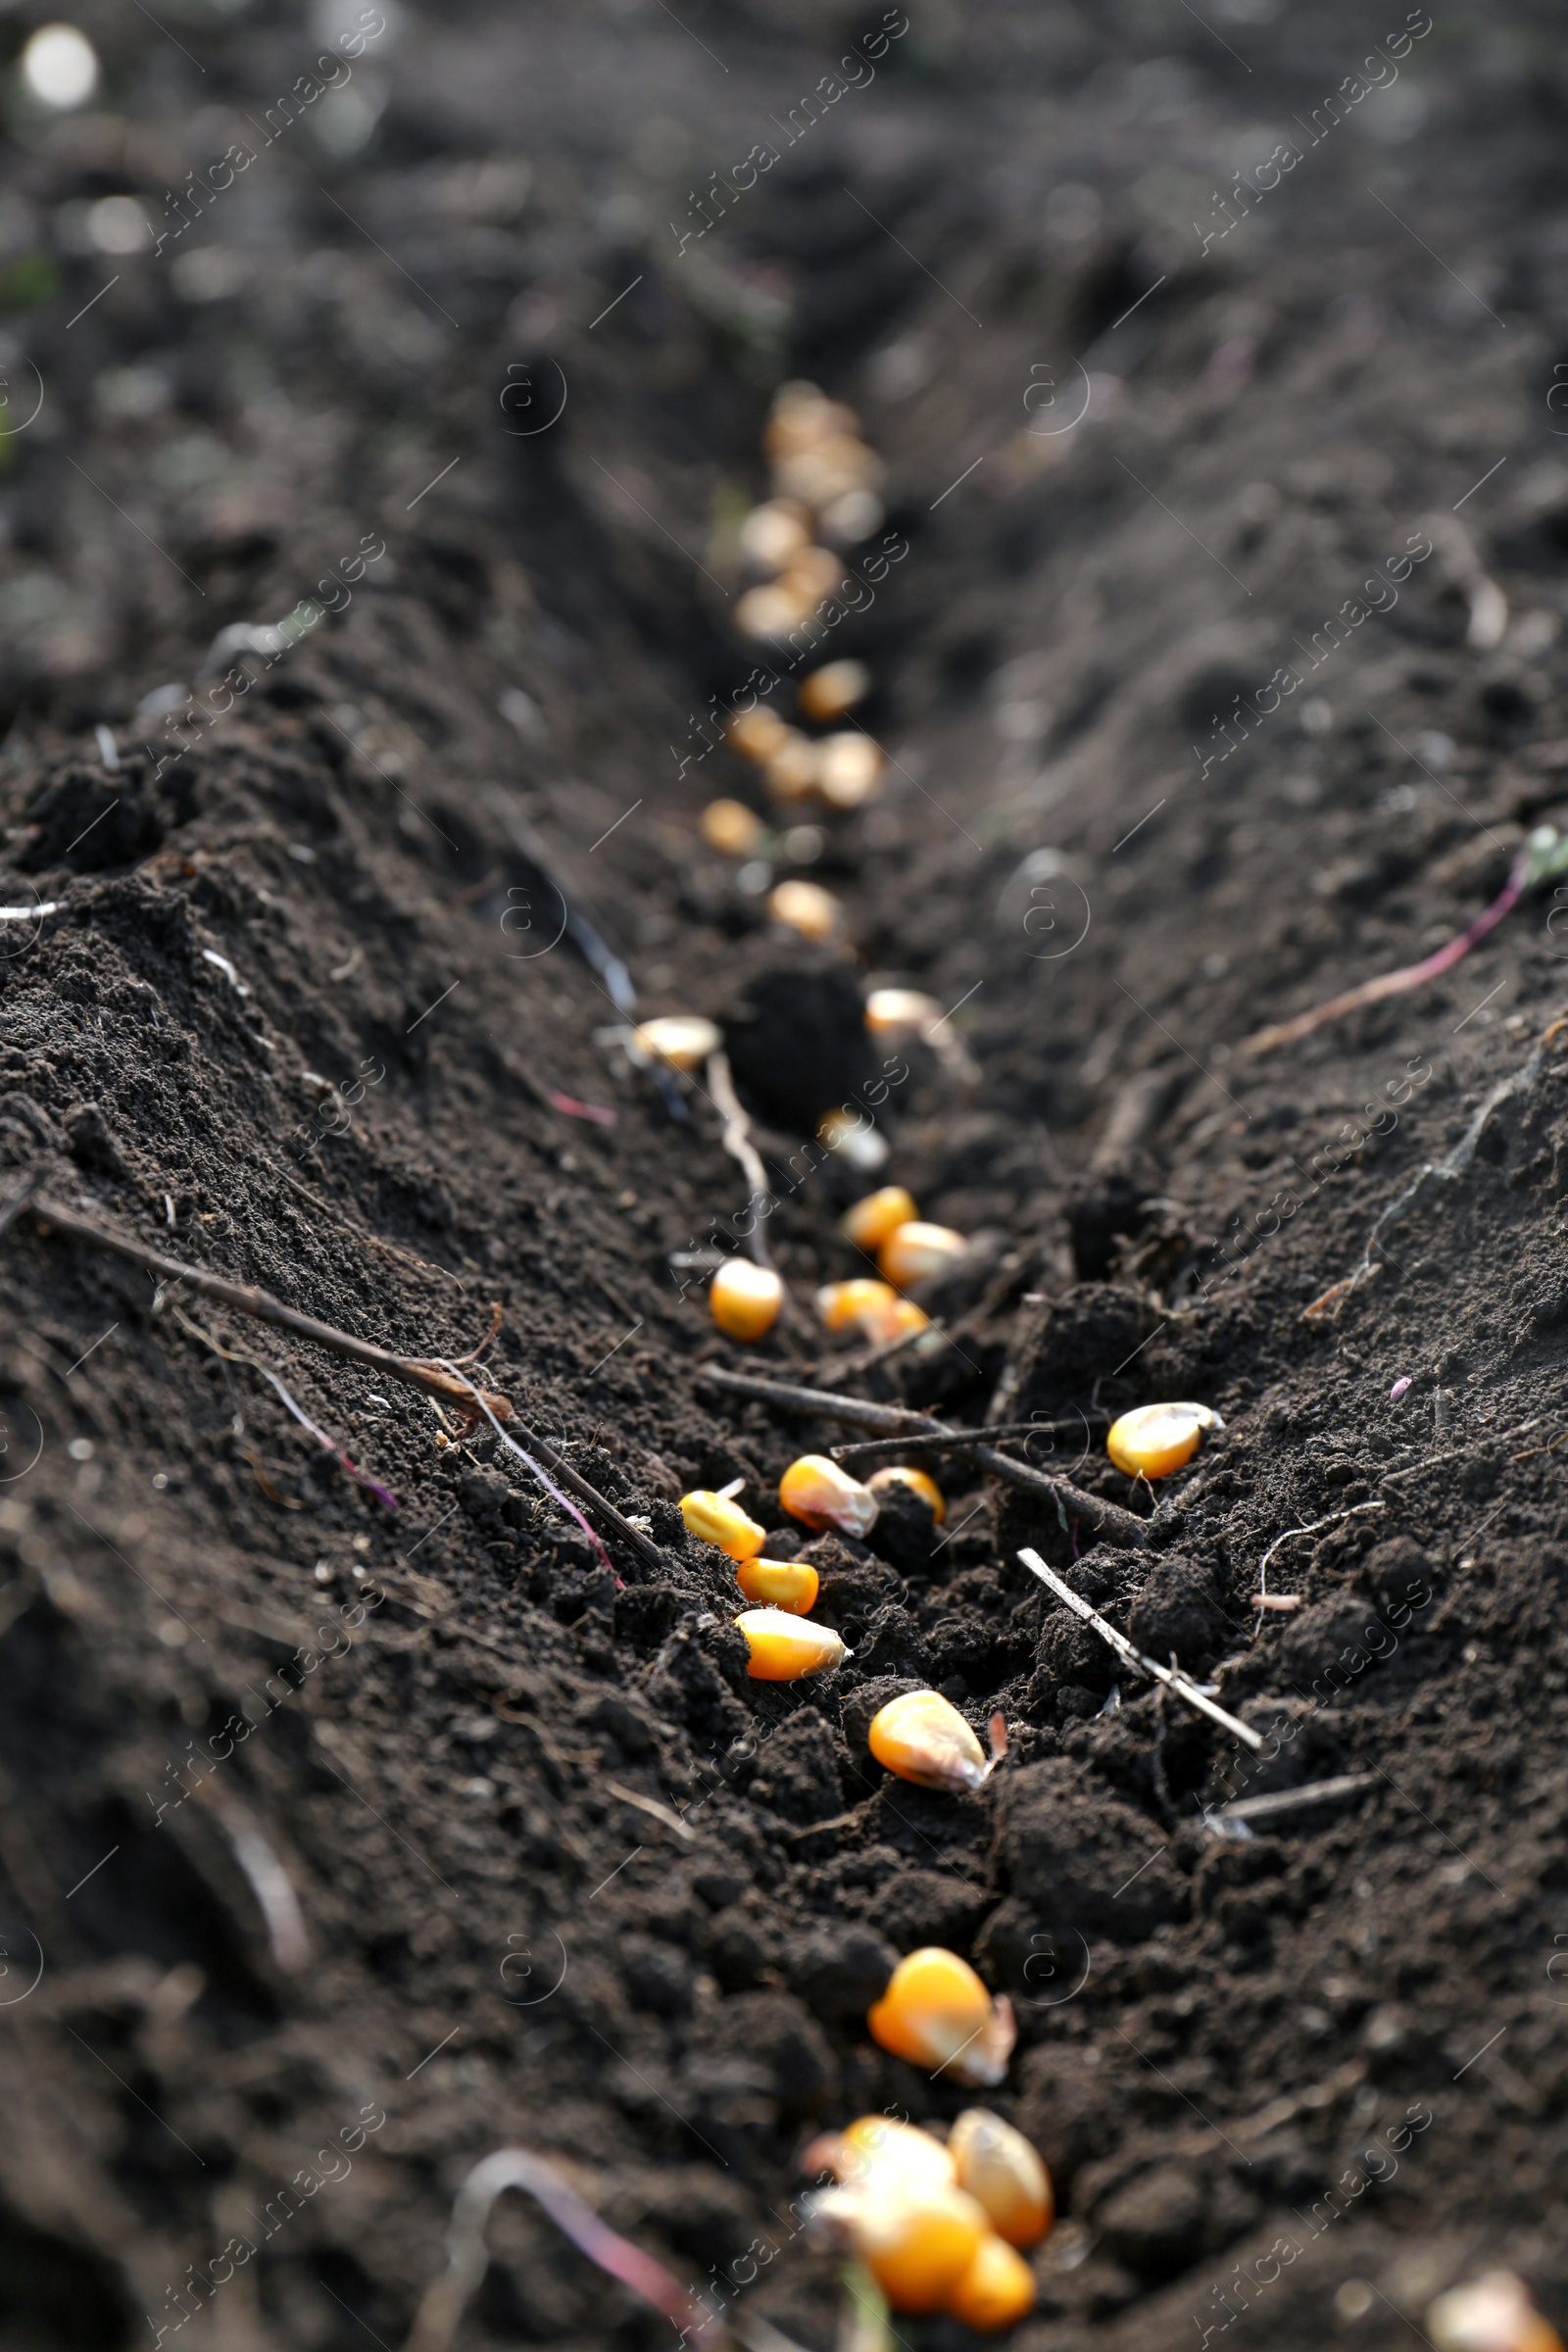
(521, 1856)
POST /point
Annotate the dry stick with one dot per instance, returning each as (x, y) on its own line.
(1275, 1804)
(957, 1437)
(737, 1141)
(1172, 1676)
(1107, 1518)
(410, 1370)
(569, 1476)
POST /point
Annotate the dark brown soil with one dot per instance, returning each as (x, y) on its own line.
(513, 1851)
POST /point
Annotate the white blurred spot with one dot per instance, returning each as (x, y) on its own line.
(60, 66)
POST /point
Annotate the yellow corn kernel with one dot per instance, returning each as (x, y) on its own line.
(893, 1012)
(787, 1584)
(937, 2014)
(1001, 2170)
(682, 1038)
(997, 2288)
(849, 769)
(792, 766)
(717, 1519)
(916, 2239)
(814, 574)
(852, 1136)
(871, 1221)
(817, 1490)
(801, 416)
(914, 1251)
(840, 1305)
(877, 2146)
(745, 1299)
(805, 907)
(785, 1646)
(1155, 1439)
(1489, 2313)
(832, 690)
(896, 1475)
(756, 734)
(768, 613)
(773, 533)
(924, 1738)
(731, 828)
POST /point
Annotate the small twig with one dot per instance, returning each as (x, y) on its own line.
(957, 1437)
(374, 1240)
(1276, 1804)
(570, 1478)
(737, 1141)
(1107, 1518)
(850, 1367)
(383, 1494)
(1312, 1527)
(1172, 1676)
(440, 2314)
(414, 1371)
(650, 1805)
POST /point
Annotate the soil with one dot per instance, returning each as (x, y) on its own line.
(510, 1851)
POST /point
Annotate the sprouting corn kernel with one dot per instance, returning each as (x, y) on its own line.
(918, 1483)
(1000, 2167)
(787, 1584)
(756, 734)
(805, 907)
(857, 1142)
(817, 1490)
(745, 1299)
(1153, 1440)
(937, 2014)
(792, 767)
(718, 1519)
(996, 2289)
(774, 532)
(682, 1038)
(914, 1251)
(916, 2238)
(832, 690)
(1489, 2313)
(784, 1646)
(922, 1737)
(840, 1304)
(850, 769)
(731, 828)
(871, 1221)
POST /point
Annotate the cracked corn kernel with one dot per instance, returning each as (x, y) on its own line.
(685, 1040)
(996, 2289)
(1155, 1439)
(787, 1584)
(805, 907)
(745, 1300)
(817, 1490)
(998, 2166)
(924, 1738)
(871, 1222)
(833, 689)
(731, 828)
(785, 1646)
(717, 1519)
(937, 2014)
(896, 1475)
(912, 1252)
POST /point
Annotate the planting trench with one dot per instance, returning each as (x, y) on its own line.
(516, 1853)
